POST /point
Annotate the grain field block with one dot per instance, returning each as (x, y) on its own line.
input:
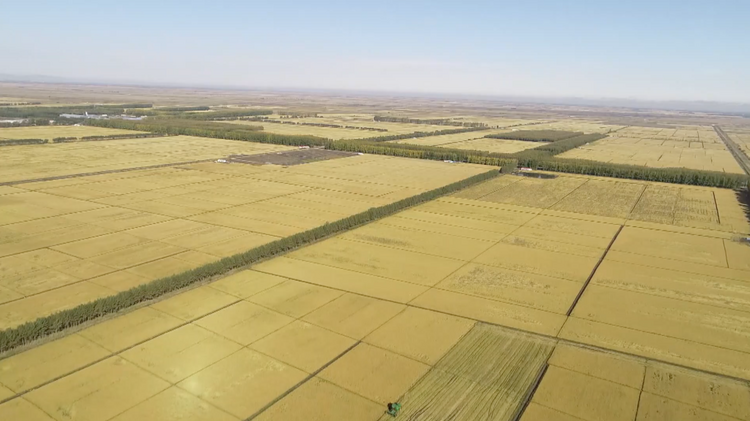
(542, 262)
(98, 392)
(180, 353)
(671, 245)
(605, 198)
(195, 303)
(44, 363)
(664, 348)
(586, 397)
(657, 408)
(377, 260)
(21, 409)
(421, 335)
(243, 383)
(244, 322)
(514, 287)
(341, 279)
(700, 323)
(479, 210)
(491, 311)
(418, 241)
(129, 329)
(295, 299)
(246, 283)
(681, 391)
(379, 375)
(319, 400)
(174, 404)
(353, 315)
(468, 224)
(703, 288)
(303, 345)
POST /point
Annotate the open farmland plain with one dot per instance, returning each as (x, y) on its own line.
(478, 142)
(25, 162)
(528, 297)
(69, 241)
(338, 133)
(51, 132)
(694, 147)
(473, 141)
(566, 298)
(742, 138)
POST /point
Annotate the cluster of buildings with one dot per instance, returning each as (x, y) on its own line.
(100, 116)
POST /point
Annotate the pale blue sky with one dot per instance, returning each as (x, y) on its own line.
(673, 50)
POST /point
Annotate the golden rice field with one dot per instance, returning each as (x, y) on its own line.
(69, 241)
(446, 139)
(473, 141)
(587, 384)
(575, 125)
(51, 132)
(367, 120)
(494, 145)
(28, 162)
(742, 138)
(338, 133)
(476, 140)
(568, 298)
(694, 147)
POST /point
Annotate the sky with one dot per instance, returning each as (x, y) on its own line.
(651, 50)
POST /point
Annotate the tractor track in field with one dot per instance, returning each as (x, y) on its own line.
(739, 155)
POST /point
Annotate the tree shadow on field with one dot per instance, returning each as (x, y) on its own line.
(743, 196)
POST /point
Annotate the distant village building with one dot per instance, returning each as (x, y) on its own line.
(100, 116)
(12, 120)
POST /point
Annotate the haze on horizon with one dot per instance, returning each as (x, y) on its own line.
(649, 50)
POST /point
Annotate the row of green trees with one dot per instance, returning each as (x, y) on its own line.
(183, 109)
(45, 326)
(230, 114)
(168, 112)
(16, 104)
(330, 125)
(175, 126)
(541, 157)
(532, 157)
(105, 137)
(421, 134)
(14, 142)
(636, 172)
(432, 121)
(53, 112)
(297, 114)
(32, 122)
(535, 135)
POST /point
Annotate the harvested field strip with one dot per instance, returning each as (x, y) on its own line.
(28, 332)
(486, 376)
